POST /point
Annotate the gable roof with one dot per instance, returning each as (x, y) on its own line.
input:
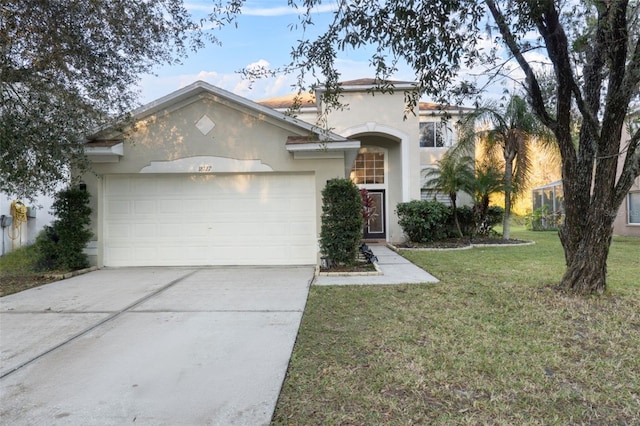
(200, 88)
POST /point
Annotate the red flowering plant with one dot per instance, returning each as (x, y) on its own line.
(368, 206)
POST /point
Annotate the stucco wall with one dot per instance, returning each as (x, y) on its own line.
(40, 210)
(238, 134)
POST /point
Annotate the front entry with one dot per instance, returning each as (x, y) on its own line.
(369, 172)
(375, 228)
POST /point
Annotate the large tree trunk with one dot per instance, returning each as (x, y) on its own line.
(587, 271)
(587, 231)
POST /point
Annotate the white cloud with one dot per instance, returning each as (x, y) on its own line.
(153, 87)
(285, 10)
(260, 64)
(256, 10)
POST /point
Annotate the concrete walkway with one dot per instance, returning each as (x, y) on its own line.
(150, 346)
(395, 269)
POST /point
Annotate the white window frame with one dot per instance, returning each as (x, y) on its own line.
(385, 177)
(630, 219)
(441, 131)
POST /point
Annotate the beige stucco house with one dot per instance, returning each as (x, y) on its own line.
(206, 177)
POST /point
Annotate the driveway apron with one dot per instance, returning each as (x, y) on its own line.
(151, 346)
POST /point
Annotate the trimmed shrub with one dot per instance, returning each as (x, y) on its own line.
(342, 221)
(423, 220)
(495, 214)
(473, 225)
(61, 245)
(466, 219)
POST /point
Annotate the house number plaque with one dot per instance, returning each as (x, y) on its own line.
(205, 168)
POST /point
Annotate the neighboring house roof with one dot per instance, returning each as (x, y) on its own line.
(376, 82)
(434, 107)
(305, 100)
(308, 100)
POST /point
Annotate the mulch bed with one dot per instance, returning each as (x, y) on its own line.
(451, 243)
(10, 284)
(360, 267)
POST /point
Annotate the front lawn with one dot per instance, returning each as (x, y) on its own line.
(494, 343)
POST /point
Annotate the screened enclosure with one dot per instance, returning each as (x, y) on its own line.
(548, 206)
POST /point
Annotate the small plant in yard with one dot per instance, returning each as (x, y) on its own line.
(60, 246)
(479, 225)
(453, 174)
(541, 219)
(342, 221)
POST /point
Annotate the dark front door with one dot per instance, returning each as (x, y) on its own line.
(375, 228)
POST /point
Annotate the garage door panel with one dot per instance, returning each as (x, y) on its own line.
(182, 231)
(144, 206)
(187, 220)
(118, 253)
(119, 207)
(176, 206)
(145, 230)
(117, 230)
(146, 186)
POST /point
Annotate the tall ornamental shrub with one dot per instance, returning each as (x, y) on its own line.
(342, 221)
(61, 245)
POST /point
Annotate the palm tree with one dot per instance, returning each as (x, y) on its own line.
(453, 174)
(488, 180)
(511, 132)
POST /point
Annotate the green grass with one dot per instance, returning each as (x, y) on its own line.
(18, 261)
(18, 271)
(493, 343)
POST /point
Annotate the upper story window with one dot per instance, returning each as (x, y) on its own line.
(434, 135)
(368, 168)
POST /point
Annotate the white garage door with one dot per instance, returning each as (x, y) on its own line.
(186, 220)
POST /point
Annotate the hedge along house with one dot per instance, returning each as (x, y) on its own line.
(206, 177)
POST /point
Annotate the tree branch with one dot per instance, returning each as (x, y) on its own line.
(534, 88)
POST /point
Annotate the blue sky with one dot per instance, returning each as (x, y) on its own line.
(262, 36)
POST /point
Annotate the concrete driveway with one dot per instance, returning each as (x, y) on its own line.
(150, 346)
